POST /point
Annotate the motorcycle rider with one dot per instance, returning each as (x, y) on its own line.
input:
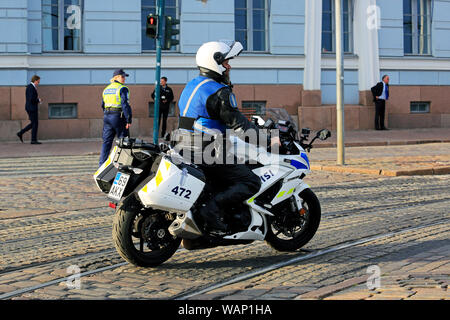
(207, 106)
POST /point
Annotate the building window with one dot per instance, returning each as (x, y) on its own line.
(416, 26)
(62, 110)
(61, 25)
(151, 109)
(250, 22)
(419, 107)
(149, 6)
(328, 26)
(250, 108)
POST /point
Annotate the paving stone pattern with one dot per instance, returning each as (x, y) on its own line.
(59, 219)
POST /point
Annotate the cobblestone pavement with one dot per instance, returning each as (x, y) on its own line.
(47, 185)
(59, 219)
(426, 159)
(345, 274)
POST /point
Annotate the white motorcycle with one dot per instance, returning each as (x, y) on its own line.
(157, 199)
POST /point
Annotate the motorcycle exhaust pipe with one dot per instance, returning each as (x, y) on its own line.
(185, 227)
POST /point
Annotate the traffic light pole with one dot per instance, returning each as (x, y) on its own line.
(160, 11)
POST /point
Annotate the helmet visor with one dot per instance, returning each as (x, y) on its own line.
(235, 49)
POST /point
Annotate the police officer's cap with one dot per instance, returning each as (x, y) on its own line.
(120, 72)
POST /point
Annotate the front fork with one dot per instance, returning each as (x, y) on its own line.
(300, 188)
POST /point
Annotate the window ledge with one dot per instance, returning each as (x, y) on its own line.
(406, 55)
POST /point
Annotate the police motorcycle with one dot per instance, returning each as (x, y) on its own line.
(156, 196)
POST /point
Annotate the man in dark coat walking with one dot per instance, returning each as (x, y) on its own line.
(31, 106)
(380, 94)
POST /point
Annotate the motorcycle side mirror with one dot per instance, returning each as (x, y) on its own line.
(323, 134)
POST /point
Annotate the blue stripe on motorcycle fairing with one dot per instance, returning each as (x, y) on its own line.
(298, 164)
(304, 156)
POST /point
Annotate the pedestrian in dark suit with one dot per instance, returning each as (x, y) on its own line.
(165, 99)
(31, 106)
(380, 94)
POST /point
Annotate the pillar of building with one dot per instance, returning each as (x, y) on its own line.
(366, 25)
(311, 95)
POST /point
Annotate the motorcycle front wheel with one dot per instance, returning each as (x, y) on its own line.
(141, 236)
(289, 231)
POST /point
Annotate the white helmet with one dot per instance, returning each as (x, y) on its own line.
(211, 54)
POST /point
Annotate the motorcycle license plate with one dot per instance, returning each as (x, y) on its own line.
(118, 186)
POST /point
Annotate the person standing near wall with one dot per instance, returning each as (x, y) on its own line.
(165, 99)
(116, 112)
(31, 106)
(380, 94)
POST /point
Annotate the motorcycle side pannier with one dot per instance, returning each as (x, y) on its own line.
(174, 188)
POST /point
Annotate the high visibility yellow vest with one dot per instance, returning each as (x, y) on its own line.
(111, 95)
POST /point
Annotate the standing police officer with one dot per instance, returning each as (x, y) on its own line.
(117, 112)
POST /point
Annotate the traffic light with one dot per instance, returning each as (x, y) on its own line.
(170, 31)
(152, 25)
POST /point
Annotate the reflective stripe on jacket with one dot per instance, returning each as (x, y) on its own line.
(192, 103)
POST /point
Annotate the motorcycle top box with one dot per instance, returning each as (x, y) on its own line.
(107, 172)
(129, 159)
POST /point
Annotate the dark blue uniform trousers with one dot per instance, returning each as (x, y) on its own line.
(113, 124)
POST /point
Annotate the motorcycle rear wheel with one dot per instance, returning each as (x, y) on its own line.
(310, 212)
(124, 230)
